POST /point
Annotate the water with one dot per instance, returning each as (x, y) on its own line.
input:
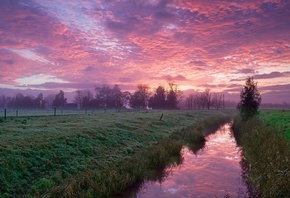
(213, 171)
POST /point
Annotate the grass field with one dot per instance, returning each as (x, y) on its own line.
(279, 119)
(39, 153)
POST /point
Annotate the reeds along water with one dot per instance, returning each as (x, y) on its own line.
(266, 154)
(111, 180)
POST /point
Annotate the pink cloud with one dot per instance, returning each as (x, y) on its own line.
(131, 42)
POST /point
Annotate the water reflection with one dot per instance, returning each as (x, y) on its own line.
(251, 191)
(210, 169)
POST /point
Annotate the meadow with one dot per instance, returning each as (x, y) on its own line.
(279, 119)
(92, 154)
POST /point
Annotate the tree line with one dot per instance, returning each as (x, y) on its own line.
(20, 101)
(108, 97)
(112, 97)
(205, 100)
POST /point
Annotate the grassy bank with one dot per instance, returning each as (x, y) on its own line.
(86, 155)
(278, 118)
(266, 157)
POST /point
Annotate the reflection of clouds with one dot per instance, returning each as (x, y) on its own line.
(214, 171)
(171, 190)
(233, 158)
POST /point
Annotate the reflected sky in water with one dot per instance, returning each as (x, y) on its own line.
(213, 171)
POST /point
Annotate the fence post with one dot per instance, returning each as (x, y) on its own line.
(86, 111)
(161, 117)
(5, 113)
(54, 111)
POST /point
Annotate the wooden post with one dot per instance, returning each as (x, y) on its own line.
(86, 110)
(54, 111)
(161, 117)
(5, 113)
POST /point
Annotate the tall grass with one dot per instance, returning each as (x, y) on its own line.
(266, 157)
(112, 179)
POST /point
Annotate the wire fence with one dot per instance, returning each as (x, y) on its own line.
(6, 113)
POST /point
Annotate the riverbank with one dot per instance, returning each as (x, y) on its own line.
(71, 154)
(212, 171)
(266, 154)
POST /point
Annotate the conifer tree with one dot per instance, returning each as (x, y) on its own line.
(250, 99)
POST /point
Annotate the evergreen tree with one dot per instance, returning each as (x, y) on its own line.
(250, 99)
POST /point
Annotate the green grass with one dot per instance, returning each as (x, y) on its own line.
(41, 155)
(266, 156)
(279, 119)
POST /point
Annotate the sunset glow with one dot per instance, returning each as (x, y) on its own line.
(70, 45)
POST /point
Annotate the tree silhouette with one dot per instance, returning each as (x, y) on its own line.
(174, 95)
(39, 101)
(59, 100)
(103, 95)
(140, 97)
(3, 101)
(116, 97)
(207, 98)
(83, 98)
(250, 99)
(158, 100)
(109, 97)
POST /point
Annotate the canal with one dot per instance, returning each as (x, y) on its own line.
(212, 171)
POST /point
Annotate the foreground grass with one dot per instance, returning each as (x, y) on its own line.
(279, 119)
(83, 155)
(266, 158)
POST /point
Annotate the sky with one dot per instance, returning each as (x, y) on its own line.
(198, 44)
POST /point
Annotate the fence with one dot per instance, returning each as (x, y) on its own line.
(6, 113)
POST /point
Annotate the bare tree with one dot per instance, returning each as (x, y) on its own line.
(83, 98)
(174, 95)
(197, 100)
(190, 101)
(78, 99)
(217, 101)
(207, 98)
